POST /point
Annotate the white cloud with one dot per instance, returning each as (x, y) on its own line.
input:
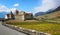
(13, 9)
(4, 8)
(16, 5)
(46, 5)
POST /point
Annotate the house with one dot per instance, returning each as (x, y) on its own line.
(7, 16)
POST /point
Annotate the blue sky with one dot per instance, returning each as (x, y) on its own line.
(33, 6)
(25, 5)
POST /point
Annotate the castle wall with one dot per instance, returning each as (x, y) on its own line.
(19, 17)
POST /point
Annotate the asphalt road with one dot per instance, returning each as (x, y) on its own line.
(7, 31)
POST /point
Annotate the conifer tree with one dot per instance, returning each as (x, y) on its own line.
(12, 15)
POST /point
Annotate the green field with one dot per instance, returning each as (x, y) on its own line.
(52, 28)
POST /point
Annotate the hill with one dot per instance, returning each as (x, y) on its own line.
(47, 12)
(55, 14)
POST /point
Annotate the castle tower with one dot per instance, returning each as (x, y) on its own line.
(17, 12)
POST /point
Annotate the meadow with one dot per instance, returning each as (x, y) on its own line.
(47, 27)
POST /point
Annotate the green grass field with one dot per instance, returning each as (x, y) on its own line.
(52, 28)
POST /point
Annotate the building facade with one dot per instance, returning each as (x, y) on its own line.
(7, 16)
(23, 15)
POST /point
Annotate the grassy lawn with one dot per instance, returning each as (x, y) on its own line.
(52, 28)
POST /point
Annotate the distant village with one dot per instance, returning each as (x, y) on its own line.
(19, 15)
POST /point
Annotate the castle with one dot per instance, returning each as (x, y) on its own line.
(19, 16)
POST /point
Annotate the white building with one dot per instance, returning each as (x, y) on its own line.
(6, 17)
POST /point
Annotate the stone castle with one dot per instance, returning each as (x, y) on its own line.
(19, 16)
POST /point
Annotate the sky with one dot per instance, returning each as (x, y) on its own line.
(30, 6)
(25, 5)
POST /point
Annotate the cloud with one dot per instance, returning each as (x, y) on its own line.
(13, 9)
(46, 5)
(4, 8)
(16, 5)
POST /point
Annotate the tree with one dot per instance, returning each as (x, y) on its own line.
(12, 15)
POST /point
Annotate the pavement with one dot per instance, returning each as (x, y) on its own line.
(7, 31)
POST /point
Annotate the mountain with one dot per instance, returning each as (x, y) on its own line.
(43, 13)
(51, 11)
(48, 12)
(40, 13)
(2, 14)
(57, 9)
(55, 14)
